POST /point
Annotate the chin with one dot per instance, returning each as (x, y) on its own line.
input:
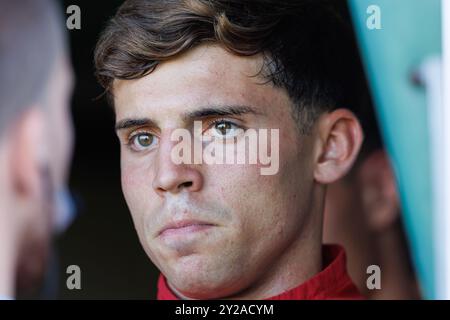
(196, 279)
(205, 288)
(200, 289)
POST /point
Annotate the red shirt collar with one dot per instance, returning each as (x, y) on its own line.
(332, 282)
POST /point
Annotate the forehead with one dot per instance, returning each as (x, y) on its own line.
(205, 75)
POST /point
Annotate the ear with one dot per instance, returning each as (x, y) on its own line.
(379, 191)
(28, 153)
(339, 141)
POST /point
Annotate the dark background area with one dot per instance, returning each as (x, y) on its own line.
(102, 240)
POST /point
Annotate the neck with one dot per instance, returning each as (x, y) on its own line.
(298, 263)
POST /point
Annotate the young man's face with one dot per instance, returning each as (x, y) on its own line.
(239, 225)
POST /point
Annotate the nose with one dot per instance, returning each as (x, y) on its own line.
(174, 178)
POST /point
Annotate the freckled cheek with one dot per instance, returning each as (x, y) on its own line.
(136, 185)
(264, 198)
(231, 183)
(239, 188)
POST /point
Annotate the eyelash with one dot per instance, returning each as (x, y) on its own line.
(222, 120)
(134, 134)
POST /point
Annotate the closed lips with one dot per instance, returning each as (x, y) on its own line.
(184, 224)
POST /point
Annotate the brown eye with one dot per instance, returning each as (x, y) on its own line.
(223, 127)
(143, 141)
(226, 129)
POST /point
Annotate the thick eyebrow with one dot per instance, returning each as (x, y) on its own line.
(132, 123)
(218, 111)
(205, 112)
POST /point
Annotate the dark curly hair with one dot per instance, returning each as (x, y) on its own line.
(307, 48)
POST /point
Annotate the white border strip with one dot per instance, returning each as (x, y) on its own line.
(443, 217)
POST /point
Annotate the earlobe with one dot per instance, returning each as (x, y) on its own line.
(340, 138)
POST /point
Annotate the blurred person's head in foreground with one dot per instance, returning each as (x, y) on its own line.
(35, 137)
(228, 230)
(363, 214)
